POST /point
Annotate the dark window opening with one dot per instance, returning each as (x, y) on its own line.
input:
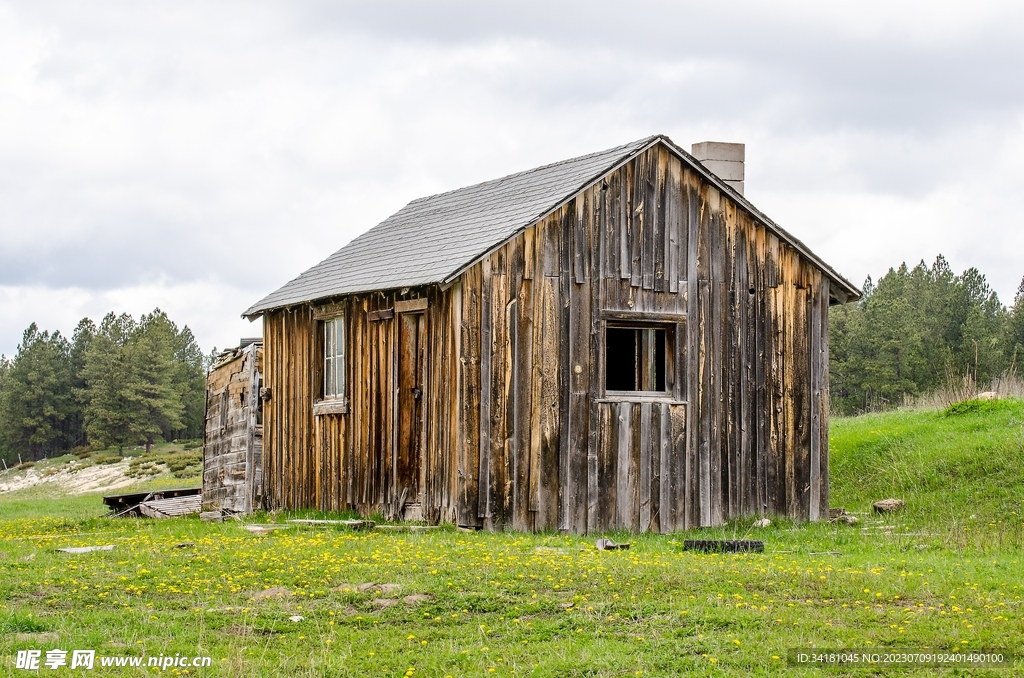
(225, 405)
(259, 401)
(635, 359)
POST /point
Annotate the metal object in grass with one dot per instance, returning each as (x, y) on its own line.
(724, 545)
(609, 545)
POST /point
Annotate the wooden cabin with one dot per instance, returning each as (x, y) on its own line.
(616, 341)
(233, 438)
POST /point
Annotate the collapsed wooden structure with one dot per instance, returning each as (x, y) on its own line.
(617, 341)
(233, 436)
(170, 503)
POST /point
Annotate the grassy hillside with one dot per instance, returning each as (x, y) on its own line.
(71, 486)
(960, 471)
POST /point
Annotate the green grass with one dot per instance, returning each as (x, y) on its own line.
(551, 605)
(958, 470)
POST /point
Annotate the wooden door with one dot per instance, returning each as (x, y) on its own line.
(409, 453)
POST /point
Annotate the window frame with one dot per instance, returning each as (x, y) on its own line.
(670, 367)
(333, 363)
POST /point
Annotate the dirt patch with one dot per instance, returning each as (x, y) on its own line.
(72, 477)
(43, 637)
(417, 598)
(384, 603)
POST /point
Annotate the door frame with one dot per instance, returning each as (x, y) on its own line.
(422, 356)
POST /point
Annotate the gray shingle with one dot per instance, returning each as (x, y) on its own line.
(432, 238)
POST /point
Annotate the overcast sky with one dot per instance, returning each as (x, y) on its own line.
(197, 155)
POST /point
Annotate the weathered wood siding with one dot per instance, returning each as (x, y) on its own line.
(742, 429)
(232, 442)
(348, 460)
(518, 430)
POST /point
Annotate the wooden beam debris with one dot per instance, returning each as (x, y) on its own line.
(86, 549)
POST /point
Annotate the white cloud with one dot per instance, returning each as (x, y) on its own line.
(196, 156)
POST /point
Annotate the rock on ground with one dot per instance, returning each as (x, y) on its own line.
(888, 505)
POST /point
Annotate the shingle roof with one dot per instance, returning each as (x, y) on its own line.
(433, 238)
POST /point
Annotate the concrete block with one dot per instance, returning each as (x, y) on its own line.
(719, 150)
(725, 169)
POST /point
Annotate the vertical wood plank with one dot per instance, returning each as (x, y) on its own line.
(717, 321)
(510, 489)
(674, 223)
(521, 517)
(648, 190)
(646, 462)
(595, 370)
(802, 391)
(456, 412)
(633, 475)
(580, 239)
(578, 366)
(636, 218)
(789, 411)
(624, 219)
(815, 359)
(498, 384)
(824, 405)
(551, 230)
(760, 375)
(572, 231)
(486, 352)
(748, 481)
(694, 366)
(529, 235)
(668, 465)
(654, 484)
(660, 240)
(623, 498)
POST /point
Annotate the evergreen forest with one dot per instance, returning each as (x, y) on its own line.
(919, 330)
(121, 384)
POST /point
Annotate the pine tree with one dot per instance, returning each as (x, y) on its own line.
(910, 330)
(80, 341)
(1015, 325)
(112, 415)
(5, 369)
(191, 382)
(980, 351)
(155, 385)
(36, 404)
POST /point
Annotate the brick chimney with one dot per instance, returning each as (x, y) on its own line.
(724, 160)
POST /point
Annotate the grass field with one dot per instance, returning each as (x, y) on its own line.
(944, 574)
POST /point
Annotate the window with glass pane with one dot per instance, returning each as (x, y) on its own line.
(635, 359)
(334, 357)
